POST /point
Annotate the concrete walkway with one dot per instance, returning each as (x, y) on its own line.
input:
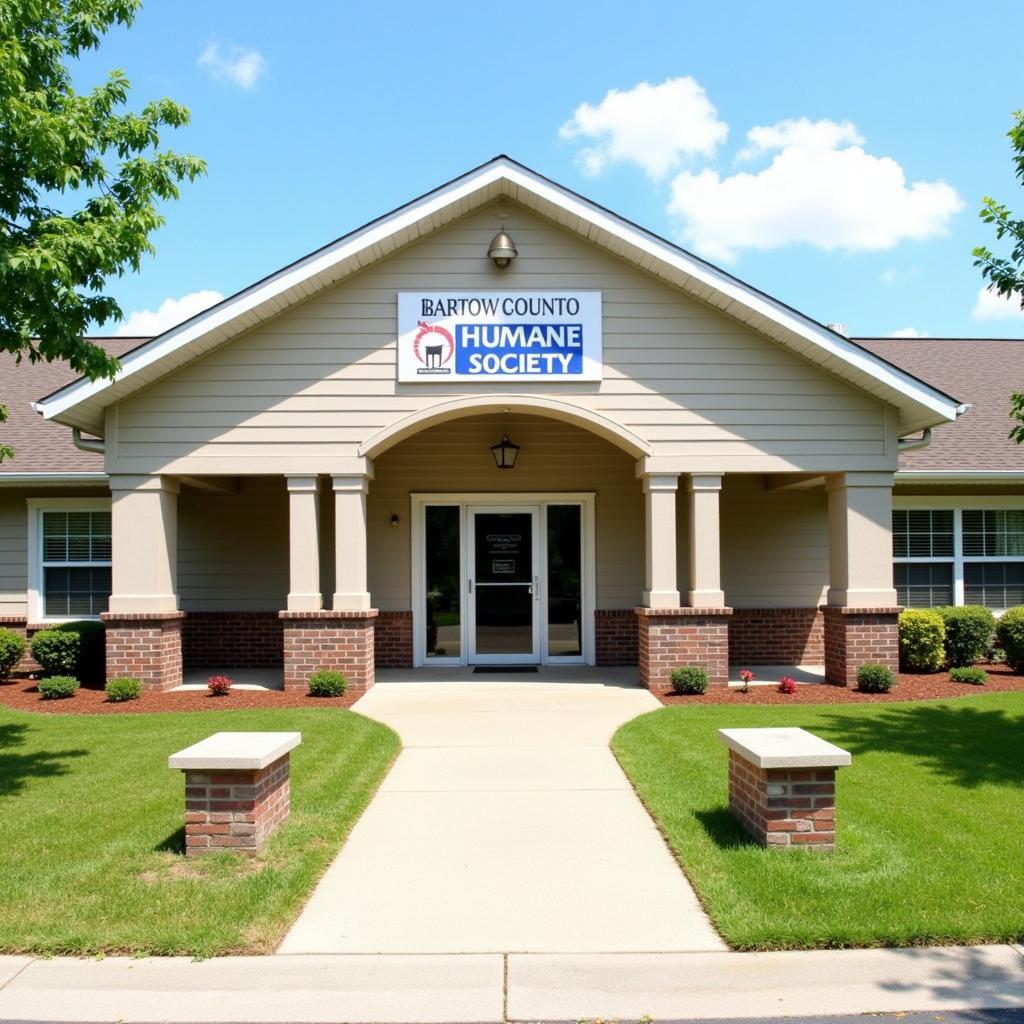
(506, 825)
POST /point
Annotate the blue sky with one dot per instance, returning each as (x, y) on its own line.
(874, 131)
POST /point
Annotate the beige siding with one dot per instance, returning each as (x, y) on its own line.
(302, 391)
(774, 545)
(13, 553)
(554, 457)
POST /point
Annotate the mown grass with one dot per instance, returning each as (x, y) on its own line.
(91, 831)
(930, 817)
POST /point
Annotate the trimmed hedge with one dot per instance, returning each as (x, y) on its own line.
(690, 679)
(969, 674)
(77, 648)
(922, 640)
(57, 687)
(875, 679)
(327, 682)
(969, 632)
(1010, 634)
(122, 689)
(12, 647)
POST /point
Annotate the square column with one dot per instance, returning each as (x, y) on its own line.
(351, 593)
(661, 589)
(304, 544)
(705, 589)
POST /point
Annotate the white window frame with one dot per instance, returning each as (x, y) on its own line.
(36, 508)
(419, 503)
(958, 504)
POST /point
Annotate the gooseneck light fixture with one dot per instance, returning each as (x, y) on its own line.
(505, 453)
(502, 250)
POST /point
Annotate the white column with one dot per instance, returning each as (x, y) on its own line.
(860, 540)
(304, 544)
(351, 593)
(144, 535)
(705, 545)
(661, 589)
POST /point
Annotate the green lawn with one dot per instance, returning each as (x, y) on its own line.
(930, 823)
(91, 831)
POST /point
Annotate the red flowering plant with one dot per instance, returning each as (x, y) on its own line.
(746, 677)
(219, 685)
(787, 685)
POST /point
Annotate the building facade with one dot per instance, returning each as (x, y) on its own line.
(414, 448)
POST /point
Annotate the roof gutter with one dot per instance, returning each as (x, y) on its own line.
(912, 444)
(96, 445)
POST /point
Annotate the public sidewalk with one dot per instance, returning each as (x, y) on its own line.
(485, 988)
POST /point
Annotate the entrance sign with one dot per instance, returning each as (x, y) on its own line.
(498, 336)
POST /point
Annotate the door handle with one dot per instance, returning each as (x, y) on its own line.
(535, 588)
(471, 586)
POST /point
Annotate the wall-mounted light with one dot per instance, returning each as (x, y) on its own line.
(394, 520)
(505, 453)
(502, 250)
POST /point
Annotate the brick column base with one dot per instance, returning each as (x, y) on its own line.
(859, 636)
(672, 637)
(784, 806)
(235, 810)
(329, 639)
(144, 646)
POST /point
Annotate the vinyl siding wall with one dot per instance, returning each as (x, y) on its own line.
(300, 392)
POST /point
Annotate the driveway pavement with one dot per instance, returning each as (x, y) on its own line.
(505, 826)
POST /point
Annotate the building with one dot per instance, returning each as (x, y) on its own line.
(310, 473)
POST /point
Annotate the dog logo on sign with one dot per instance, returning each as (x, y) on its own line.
(434, 347)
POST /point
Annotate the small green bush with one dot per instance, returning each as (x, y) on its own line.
(72, 647)
(690, 679)
(922, 640)
(327, 682)
(969, 632)
(12, 647)
(1010, 633)
(57, 687)
(968, 674)
(123, 689)
(874, 679)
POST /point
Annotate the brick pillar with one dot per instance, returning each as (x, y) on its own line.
(235, 810)
(859, 636)
(784, 807)
(672, 637)
(145, 646)
(341, 640)
(392, 640)
(615, 632)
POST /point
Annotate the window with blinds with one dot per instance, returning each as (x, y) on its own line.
(75, 563)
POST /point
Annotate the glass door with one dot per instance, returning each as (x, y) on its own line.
(503, 585)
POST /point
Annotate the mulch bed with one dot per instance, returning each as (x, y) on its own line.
(934, 686)
(22, 694)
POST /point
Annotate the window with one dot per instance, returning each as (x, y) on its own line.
(73, 550)
(959, 556)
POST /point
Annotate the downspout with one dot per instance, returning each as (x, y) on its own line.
(96, 445)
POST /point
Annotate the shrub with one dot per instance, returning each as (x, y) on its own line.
(922, 640)
(122, 689)
(327, 682)
(969, 631)
(969, 674)
(690, 679)
(77, 647)
(12, 647)
(219, 685)
(1010, 632)
(787, 684)
(874, 679)
(57, 687)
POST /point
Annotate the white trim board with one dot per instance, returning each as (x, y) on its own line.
(82, 402)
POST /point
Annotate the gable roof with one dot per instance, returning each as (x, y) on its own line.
(983, 371)
(82, 403)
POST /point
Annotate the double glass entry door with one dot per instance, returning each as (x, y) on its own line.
(503, 583)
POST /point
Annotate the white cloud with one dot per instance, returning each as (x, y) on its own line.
(145, 323)
(821, 188)
(990, 305)
(654, 126)
(908, 332)
(239, 65)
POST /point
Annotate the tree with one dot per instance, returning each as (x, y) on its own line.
(81, 178)
(1006, 276)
